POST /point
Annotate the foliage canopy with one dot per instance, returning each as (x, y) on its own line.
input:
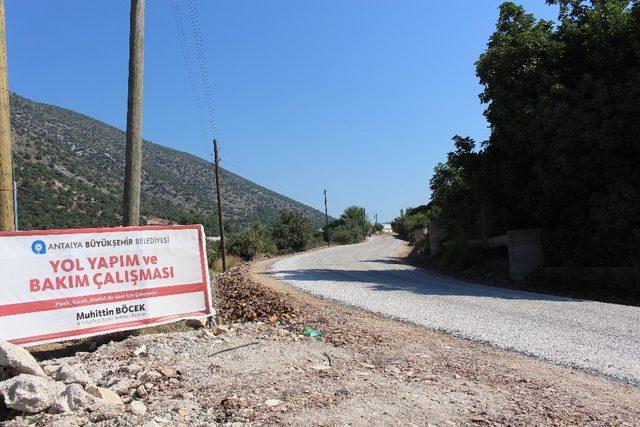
(562, 104)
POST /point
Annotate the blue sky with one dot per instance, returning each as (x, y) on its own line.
(360, 97)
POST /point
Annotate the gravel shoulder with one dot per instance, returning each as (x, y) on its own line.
(598, 337)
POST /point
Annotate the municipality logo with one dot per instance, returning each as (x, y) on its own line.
(38, 247)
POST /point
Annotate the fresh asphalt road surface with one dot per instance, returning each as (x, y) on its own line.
(590, 335)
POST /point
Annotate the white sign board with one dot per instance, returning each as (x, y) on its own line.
(63, 284)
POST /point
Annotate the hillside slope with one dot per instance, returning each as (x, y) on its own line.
(70, 169)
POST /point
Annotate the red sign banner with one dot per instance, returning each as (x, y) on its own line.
(63, 284)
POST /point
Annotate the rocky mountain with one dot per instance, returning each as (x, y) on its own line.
(70, 169)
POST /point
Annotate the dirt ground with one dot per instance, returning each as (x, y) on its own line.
(365, 370)
(414, 375)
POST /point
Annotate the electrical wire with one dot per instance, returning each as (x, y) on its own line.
(202, 63)
(177, 16)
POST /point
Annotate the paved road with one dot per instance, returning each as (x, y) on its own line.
(595, 336)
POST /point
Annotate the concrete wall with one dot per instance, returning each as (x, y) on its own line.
(525, 252)
(437, 234)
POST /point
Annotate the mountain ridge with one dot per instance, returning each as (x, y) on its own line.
(69, 170)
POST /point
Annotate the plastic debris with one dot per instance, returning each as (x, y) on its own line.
(312, 333)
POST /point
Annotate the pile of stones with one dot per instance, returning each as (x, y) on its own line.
(28, 387)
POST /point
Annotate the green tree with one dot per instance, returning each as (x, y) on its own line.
(357, 216)
(413, 219)
(563, 153)
(291, 232)
(353, 226)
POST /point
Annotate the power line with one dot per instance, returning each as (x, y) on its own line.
(186, 55)
(204, 72)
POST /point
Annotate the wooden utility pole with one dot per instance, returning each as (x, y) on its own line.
(326, 219)
(133, 165)
(7, 189)
(219, 195)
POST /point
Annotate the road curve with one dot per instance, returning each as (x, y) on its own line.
(599, 337)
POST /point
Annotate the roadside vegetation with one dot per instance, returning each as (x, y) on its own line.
(411, 219)
(563, 154)
(353, 226)
(292, 232)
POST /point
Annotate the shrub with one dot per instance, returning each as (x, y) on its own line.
(413, 219)
(291, 232)
(318, 239)
(346, 235)
(249, 242)
(458, 254)
(352, 227)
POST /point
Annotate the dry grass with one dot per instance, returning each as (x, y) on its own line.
(232, 261)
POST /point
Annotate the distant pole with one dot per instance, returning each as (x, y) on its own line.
(15, 203)
(326, 218)
(219, 195)
(133, 165)
(7, 193)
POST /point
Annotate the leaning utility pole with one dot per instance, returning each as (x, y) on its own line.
(133, 165)
(326, 219)
(219, 195)
(7, 189)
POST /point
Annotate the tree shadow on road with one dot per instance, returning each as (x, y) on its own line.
(385, 261)
(413, 280)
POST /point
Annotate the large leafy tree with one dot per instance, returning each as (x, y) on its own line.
(564, 152)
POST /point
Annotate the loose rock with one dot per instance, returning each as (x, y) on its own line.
(273, 402)
(142, 392)
(140, 350)
(244, 300)
(105, 394)
(51, 369)
(30, 393)
(73, 374)
(73, 398)
(121, 386)
(19, 360)
(168, 372)
(138, 408)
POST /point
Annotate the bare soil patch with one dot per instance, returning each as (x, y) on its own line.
(467, 381)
